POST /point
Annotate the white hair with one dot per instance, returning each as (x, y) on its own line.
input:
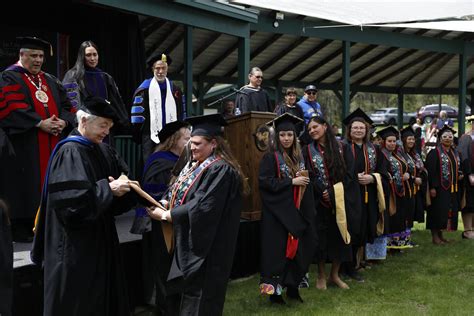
(89, 117)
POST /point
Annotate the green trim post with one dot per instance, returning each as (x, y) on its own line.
(462, 93)
(188, 70)
(346, 79)
(244, 60)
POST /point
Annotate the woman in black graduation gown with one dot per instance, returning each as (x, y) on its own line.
(367, 164)
(287, 238)
(331, 164)
(396, 186)
(443, 166)
(156, 178)
(204, 207)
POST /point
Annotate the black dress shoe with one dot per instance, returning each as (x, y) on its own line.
(277, 299)
(294, 294)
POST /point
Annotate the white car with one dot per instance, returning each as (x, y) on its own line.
(389, 116)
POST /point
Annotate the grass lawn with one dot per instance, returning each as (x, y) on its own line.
(426, 280)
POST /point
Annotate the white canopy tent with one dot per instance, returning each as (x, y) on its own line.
(452, 15)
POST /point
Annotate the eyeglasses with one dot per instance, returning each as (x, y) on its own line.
(311, 93)
(259, 77)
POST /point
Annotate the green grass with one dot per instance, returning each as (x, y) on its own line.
(426, 280)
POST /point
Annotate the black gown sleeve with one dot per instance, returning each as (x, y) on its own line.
(277, 197)
(432, 165)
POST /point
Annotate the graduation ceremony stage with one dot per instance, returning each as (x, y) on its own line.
(28, 283)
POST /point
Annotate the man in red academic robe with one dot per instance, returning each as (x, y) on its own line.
(34, 117)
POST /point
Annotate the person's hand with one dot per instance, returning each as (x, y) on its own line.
(418, 181)
(155, 212)
(119, 187)
(365, 179)
(60, 124)
(300, 180)
(433, 193)
(406, 176)
(326, 197)
(52, 125)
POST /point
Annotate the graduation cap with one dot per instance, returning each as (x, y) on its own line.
(161, 56)
(35, 43)
(444, 129)
(407, 131)
(170, 128)
(100, 107)
(357, 115)
(285, 122)
(388, 131)
(207, 125)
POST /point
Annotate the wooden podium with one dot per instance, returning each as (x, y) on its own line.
(247, 144)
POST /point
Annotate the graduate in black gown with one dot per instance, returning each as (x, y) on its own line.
(336, 194)
(444, 171)
(156, 178)
(396, 186)
(75, 235)
(287, 237)
(367, 165)
(204, 206)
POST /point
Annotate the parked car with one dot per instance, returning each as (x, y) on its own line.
(428, 112)
(388, 116)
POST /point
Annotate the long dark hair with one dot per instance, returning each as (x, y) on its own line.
(78, 68)
(332, 152)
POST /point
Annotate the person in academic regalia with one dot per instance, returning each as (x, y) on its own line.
(157, 174)
(367, 164)
(396, 186)
(253, 97)
(408, 139)
(156, 102)
(75, 235)
(336, 194)
(443, 165)
(287, 237)
(466, 149)
(204, 206)
(6, 262)
(34, 118)
(86, 79)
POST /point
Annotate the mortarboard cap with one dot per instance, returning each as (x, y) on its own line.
(170, 128)
(388, 131)
(161, 56)
(357, 115)
(35, 43)
(100, 107)
(207, 125)
(285, 122)
(444, 129)
(407, 131)
(310, 87)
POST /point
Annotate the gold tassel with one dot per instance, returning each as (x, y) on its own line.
(456, 187)
(366, 196)
(452, 188)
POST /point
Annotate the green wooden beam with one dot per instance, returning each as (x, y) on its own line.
(436, 67)
(367, 35)
(214, 37)
(185, 12)
(177, 32)
(188, 70)
(257, 51)
(462, 93)
(455, 74)
(243, 60)
(153, 27)
(346, 81)
(400, 111)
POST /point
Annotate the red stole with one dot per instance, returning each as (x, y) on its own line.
(46, 141)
